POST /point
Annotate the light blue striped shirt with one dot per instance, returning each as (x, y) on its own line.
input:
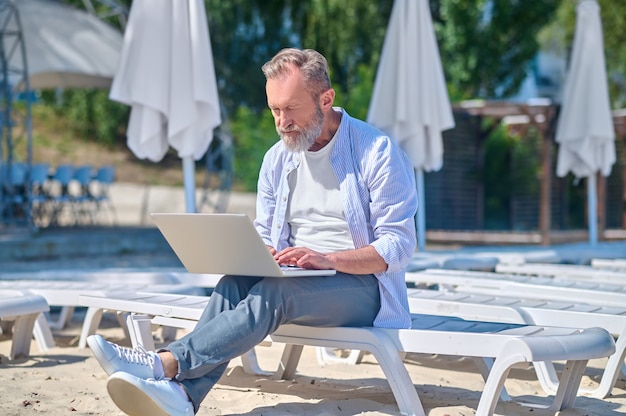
(377, 182)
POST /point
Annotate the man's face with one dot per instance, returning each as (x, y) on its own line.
(297, 116)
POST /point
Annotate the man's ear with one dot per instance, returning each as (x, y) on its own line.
(327, 99)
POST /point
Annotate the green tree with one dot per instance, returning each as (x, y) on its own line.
(487, 45)
(349, 33)
(254, 134)
(247, 33)
(559, 36)
(90, 113)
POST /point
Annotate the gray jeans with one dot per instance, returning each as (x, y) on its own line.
(242, 311)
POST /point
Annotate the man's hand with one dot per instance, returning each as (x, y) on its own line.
(364, 260)
(303, 257)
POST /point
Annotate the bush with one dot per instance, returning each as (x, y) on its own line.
(90, 113)
(252, 134)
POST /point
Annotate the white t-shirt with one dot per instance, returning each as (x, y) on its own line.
(315, 211)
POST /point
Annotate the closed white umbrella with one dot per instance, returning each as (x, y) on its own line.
(410, 100)
(585, 131)
(166, 75)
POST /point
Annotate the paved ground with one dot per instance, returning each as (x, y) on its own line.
(134, 203)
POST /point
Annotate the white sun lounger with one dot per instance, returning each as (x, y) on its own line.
(167, 310)
(565, 272)
(507, 344)
(533, 287)
(66, 295)
(113, 279)
(21, 281)
(538, 312)
(24, 311)
(615, 264)
(527, 288)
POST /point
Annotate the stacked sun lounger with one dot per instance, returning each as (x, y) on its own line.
(568, 290)
(566, 272)
(615, 264)
(529, 299)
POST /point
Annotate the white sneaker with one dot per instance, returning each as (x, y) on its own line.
(114, 358)
(147, 397)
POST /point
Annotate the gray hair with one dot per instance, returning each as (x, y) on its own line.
(312, 65)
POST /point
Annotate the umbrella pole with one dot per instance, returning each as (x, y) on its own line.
(421, 210)
(592, 205)
(189, 179)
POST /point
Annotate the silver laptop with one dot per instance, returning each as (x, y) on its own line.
(223, 244)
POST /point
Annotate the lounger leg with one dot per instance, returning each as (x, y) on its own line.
(355, 357)
(612, 370)
(326, 356)
(122, 319)
(568, 385)
(64, 318)
(140, 331)
(93, 316)
(484, 366)
(375, 341)
(547, 376)
(251, 364)
(43, 334)
(168, 333)
(564, 398)
(289, 362)
(390, 361)
(22, 335)
(495, 383)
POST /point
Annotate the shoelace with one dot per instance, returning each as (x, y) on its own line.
(137, 355)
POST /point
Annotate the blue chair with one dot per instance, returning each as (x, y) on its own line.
(40, 194)
(14, 193)
(101, 184)
(82, 197)
(60, 197)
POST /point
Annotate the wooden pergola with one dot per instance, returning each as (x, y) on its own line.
(542, 115)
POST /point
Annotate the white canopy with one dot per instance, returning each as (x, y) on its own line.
(65, 47)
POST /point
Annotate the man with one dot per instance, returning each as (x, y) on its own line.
(333, 193)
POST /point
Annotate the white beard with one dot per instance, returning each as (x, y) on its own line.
(307, 135)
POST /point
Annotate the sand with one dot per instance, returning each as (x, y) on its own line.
(67, 380)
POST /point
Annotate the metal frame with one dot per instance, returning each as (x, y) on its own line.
(11, 41)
